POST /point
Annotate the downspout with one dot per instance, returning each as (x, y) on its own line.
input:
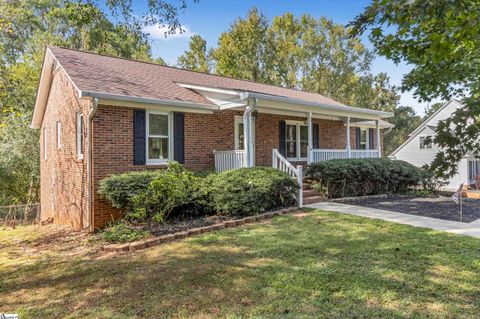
(247, 132)
(91, 114)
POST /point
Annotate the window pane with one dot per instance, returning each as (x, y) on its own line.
(303, 148)
(291, 132)
(291, 149)
(157, 148)
(363, 136)
(158, 124)
(303, 133)
(241, 137)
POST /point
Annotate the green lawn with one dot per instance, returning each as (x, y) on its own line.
(322, 265)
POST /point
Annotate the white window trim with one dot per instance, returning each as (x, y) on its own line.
(79, 135)
(297, 138)
(58, 127)
(170, 138)
(239, 120)
(45, 144)
(420, 143)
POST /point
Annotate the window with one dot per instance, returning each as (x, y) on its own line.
(363, 139)
(424, 144)
(79, 136)
(59, 135)
(297, 141)
(239, 133)
(45, 144)
(158, 142)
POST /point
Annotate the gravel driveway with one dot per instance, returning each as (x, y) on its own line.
(433, 206)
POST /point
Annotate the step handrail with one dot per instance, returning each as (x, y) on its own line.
(281, 163)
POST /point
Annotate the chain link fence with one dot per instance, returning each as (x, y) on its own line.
(19, 214)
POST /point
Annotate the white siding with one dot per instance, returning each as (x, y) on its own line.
(411, 152)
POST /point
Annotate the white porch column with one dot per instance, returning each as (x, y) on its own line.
(377, 140)
(310, 138)
(248, 135)
(349, 147)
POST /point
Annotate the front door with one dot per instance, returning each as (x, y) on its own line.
(240, 137)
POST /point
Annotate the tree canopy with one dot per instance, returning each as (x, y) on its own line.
(440, 39)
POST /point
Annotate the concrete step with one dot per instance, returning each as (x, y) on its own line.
(306, 186)
(313, 199)
(309, 193)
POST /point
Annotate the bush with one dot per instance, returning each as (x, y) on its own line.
(119, 189)
(120, 232)
(358, 177)
(247, 191)
(169, 189)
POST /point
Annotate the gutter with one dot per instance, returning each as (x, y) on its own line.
(91, 114)
(128, 98)
(340, 108)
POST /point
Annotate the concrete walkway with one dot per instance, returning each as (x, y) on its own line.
(469, 229)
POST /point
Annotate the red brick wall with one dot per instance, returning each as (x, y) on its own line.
(63, 177)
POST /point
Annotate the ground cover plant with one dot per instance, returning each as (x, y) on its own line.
(314, 264)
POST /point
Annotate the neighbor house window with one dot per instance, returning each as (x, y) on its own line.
(79, 134)
(424, 144)
(158, 137)
(45, 144)
(297, 140)
(59, 135)
(363, 139)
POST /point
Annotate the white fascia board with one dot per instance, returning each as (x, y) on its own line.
(410, 138)
(154, 107)
(115, 99)
(424, 123)
(209, 89)
(307, 106)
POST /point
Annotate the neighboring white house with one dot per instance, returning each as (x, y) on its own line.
(416, 151)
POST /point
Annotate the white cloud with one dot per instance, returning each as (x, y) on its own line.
(160, 32)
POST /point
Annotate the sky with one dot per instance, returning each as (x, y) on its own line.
(209, 18)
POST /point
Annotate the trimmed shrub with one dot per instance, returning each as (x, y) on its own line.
(119, 189)
(247, 191)
(171, 188)
(359, 177)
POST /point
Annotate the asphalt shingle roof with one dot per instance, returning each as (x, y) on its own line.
(111, 75)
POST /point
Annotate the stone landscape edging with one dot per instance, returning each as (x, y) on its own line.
(158, 240)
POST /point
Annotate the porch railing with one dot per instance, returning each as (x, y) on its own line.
(322, 155)
(228, 160)
(279, 162)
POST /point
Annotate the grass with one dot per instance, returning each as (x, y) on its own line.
(313, 265)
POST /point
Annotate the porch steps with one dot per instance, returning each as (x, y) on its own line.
(310, 195)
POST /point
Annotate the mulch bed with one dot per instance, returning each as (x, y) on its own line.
(435, 206)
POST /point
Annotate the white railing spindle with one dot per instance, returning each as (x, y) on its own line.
(279, 162)
(228, 160)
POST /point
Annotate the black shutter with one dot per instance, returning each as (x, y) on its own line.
(357, 138)
(282, 146)
(139, 132)
(316, 135)
(179, 137)
(370, 138)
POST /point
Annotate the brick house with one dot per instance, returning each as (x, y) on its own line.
(101, 115)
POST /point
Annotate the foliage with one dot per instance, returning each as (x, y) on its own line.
(195, 58)
(439, 39)
(305, 53)
(119, 189)
(359, 177)
(249, 191)
(169, 189)
(120, 232)
(431, 109)
(25, 28)
(405, 120)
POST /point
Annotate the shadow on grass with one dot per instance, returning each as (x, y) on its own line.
(322, 265)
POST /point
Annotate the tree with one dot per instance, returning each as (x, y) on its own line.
(196, 58)
(405, 120)
(243, 52)
(440, 40)
(25, 28)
